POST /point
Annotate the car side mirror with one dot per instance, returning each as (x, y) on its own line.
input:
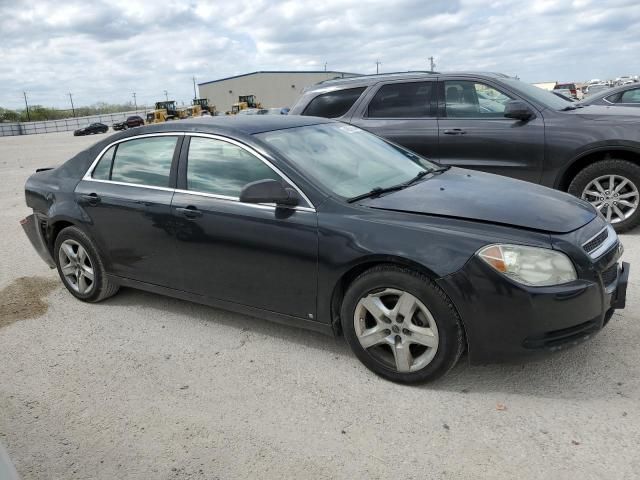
(268, 191)
(518, 110)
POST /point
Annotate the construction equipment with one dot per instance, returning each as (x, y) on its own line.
(244, 102)
(164, 111)
(203, 103)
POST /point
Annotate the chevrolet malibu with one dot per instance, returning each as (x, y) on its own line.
(322, 225)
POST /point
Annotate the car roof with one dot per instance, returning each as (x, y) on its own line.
(365, 80)
(235, 124)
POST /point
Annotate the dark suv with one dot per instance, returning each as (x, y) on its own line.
(501, 125)
(130, 122)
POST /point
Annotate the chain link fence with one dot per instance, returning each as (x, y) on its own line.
(66, 124)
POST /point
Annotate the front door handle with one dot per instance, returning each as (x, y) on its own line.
(189, 212)
(454, 131)
(92, 198)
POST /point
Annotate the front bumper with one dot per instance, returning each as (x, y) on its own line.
(503, 319)
(32, 228)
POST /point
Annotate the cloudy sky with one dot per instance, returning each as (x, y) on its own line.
(104, 51)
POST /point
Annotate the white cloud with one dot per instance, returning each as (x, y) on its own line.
(105, 50)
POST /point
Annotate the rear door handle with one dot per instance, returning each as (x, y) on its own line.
(189, 212)
(92, 198)
(454, 131)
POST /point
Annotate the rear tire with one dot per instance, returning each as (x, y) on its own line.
(80, 267)
(619, 201)
(414, 335)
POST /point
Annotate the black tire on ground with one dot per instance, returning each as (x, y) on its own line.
(102, 287)
(451, 341)
(611, 166)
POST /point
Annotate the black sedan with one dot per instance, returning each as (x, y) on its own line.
(91, 129)
(320, 224)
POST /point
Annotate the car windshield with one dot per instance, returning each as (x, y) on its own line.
(346, 160)
(541, 96)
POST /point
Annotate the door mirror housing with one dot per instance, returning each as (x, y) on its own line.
(518, 110)
(268, 191)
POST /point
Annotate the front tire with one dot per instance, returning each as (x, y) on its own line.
(80, 267)
(611, 186)
(401, 325)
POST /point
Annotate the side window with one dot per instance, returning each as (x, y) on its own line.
(333, 104)
(402, 100)
(471, 99)
(103, 169)
(146, 161)
(630, 96)
(221, 168)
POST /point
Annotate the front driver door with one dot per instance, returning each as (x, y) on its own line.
(473, 132)
(254, 255)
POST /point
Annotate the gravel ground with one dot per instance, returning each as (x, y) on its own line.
(142, 386)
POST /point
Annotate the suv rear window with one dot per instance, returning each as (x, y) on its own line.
(402, 100)
(333, 104)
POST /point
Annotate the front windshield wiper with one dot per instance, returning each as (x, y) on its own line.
(374, 192)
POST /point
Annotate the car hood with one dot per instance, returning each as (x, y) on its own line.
(479, 196)
(607, 113)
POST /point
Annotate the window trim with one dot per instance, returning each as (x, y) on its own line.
(88, 174)
(431, 104)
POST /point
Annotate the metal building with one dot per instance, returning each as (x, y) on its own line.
(271, 88)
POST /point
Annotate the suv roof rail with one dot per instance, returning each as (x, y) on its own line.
(373, 75)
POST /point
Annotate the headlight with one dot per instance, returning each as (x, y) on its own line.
(533, 266)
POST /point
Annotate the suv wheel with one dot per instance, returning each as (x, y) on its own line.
(80, 267)
(401, 325)
(612, 186)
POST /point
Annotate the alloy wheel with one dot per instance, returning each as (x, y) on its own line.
(76, 266)
(615, 196)
(397, 329)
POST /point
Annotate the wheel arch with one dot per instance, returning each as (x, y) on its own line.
(364, 264)
(54, 228)
(592, 156)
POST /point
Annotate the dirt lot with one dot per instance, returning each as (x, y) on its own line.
(143, 387)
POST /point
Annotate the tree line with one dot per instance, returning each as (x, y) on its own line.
(40, 112)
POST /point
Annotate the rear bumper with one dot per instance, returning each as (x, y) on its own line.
(31, 227)
(505, 320)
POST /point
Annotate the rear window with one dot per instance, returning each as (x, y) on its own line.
(402, 100)
(145, 161)
(333, 104)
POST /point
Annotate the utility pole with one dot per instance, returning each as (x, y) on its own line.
(26, 105)
(433, 65)
(135, 103)
(325, 66)
(195, 95)
(378, 63)
(166, 95)
(73, 110)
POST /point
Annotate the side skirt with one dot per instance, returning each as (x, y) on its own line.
(224, 305)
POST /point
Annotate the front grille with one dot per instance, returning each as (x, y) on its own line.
(596, 241)
(610, 274)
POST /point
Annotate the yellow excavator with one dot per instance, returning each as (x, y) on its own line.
(244, 102)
